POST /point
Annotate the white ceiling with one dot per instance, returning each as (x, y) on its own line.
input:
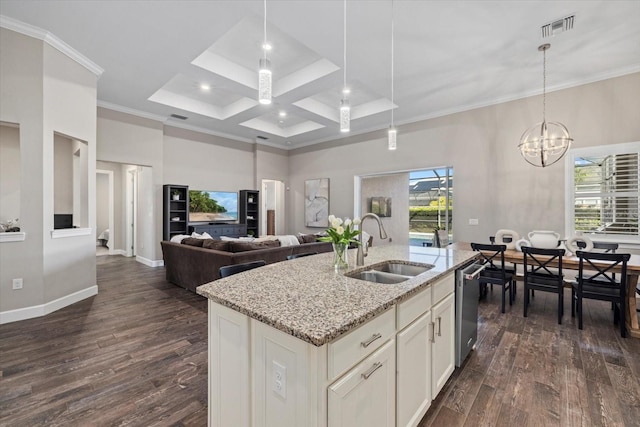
(449, 56)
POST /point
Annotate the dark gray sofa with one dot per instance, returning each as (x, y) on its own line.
(191, 266)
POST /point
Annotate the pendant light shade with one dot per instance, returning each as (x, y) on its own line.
(264, 69)
(264, 82)
(345, 115)
(546, 142)
(392, 135)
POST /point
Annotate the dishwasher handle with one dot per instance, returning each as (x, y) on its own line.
(471, 276)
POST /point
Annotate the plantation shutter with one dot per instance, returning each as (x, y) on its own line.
(606, 194)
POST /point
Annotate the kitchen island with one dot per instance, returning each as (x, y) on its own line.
(297, 344)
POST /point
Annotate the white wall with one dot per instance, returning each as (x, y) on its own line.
(395, 186)
(492, 182)
(9, 172)
(44, 91)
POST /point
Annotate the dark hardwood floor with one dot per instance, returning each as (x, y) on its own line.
(136, 354)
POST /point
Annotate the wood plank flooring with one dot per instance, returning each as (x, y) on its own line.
(136, 355)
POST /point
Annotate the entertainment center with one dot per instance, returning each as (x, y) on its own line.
(218, 213)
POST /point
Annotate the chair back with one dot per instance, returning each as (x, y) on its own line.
(229, 270)
(604, 247)
(491, 254)
(602, 274)
(539, 261)
(294, 256)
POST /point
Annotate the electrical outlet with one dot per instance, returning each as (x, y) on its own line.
(280, 379)
(17, 283)
(473, 221)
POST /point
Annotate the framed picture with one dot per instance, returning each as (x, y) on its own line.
(316, 202)
(381, 206)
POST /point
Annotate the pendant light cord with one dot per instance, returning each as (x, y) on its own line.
(264, 47)
(544, 85)
(344, 50)
(392, 62)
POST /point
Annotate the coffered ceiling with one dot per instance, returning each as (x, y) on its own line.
(449, 56)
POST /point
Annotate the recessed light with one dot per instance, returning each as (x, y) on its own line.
(267, 46)
(346, 91)
(205, 87)
(280, 121)
(282, 114)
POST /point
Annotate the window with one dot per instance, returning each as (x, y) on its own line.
(604, 192)
(430, 205)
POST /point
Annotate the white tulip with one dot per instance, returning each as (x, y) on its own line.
(356, 221)
(339, 229)
(347, 222)
(335, 223)
(331, 218)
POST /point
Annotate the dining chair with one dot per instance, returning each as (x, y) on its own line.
(541, 274)
(495, 273)
(596, 281)
(294, 256)
(229, 270)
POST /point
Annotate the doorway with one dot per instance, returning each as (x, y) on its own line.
(273, 218)
(105, 225)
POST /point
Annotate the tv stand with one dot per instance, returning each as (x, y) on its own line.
(219, 229)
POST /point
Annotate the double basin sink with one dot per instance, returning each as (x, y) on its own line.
(390, 272)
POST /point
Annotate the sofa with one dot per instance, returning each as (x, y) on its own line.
(190, 263)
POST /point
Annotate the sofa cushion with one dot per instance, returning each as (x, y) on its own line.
(219, 245)
(252, 246)
(193, 241)
(306, 238)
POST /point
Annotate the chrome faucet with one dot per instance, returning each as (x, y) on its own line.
(362, 247)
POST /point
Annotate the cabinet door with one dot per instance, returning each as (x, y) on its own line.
(443, 345)
(365, 396)
(414, 371)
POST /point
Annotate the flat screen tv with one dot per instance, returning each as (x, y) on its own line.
(213, 206)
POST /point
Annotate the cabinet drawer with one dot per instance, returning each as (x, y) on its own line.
(346, 351)
(414, 307)
(442, 288)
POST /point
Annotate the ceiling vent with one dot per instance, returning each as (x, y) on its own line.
(179, 117)
(264, 138)
(558, 26)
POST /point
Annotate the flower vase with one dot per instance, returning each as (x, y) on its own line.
(340, 256)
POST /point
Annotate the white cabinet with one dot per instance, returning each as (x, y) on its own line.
(443, 347)
(414, 371)
(365, 396)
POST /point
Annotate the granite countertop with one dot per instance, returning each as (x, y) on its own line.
(305, 298)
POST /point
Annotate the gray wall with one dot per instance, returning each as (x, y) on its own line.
(9, 172)
(395, 186)
(492, 182)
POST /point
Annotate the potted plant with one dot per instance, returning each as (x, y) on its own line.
(175, 194)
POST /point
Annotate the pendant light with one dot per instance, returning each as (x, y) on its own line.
(546, 142)
(392, 133)
(264, 71)
(345, 107)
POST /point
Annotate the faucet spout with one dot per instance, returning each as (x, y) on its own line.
(362, 249)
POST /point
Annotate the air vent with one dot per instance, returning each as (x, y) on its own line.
(264, 138)
(179, 117)
(558, 26)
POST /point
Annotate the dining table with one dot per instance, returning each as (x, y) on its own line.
(573, 263)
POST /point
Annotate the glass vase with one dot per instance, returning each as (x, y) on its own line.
(340, 256)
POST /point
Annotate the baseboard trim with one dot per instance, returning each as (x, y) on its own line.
(150, 263)
(119, 252)
(44, 309)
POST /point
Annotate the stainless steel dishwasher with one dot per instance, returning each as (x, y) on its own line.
(467, 294)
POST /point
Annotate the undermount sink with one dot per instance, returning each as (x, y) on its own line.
(403, 269)
(378, 276)
(390, 272)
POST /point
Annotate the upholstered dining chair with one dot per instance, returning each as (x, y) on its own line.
(495, 273)
(229, 270)
(540, 276)
(596, 281)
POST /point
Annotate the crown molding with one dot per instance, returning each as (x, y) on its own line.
(51, 40)
(131, 111)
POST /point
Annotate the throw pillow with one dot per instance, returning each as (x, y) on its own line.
(306, 238)
(179, 238)
(288, 240)
(193, 241)
(219, 245)
(204, 235)
(252, 246)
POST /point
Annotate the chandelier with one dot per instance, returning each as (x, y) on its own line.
(546, 142)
